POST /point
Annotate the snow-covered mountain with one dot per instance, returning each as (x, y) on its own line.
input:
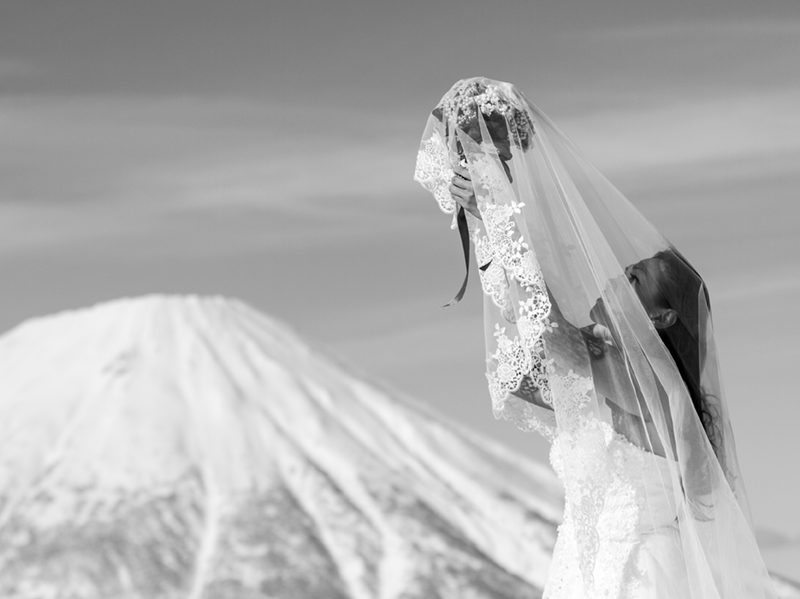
(167, 447)
(187, 447)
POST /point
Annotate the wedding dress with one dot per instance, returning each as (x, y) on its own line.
(598, 336)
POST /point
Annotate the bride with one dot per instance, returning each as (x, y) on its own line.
(599, 336)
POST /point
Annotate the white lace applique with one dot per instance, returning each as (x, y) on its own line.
(434, 172)
(503, 380)
(494, 281)
(571, 394)
(510, 259)
(508, 246)
(488, 174)
(513, 362)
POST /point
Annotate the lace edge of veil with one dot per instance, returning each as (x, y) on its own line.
(433, 171)
(519, 356)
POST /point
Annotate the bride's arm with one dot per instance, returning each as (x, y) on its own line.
(595, 344)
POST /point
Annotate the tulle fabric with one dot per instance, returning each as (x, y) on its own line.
(553, 242)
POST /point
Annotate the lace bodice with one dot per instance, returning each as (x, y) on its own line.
(614, 492)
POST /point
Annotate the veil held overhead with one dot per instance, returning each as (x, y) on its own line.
(598, 336)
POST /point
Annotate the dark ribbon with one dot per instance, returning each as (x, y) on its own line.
(463, 232)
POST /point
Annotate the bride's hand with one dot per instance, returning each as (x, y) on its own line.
(604, 333)
(462, 190)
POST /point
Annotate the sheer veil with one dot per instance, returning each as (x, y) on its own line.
(572, 351)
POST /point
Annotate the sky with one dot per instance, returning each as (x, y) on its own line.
(265, 151)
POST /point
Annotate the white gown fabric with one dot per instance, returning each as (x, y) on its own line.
(599, 336)
(635, 545)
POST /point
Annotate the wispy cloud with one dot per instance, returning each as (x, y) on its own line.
(71, 166)
(186, 150)
(751, 128)
(698, 28)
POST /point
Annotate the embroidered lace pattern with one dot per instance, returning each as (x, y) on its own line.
(434, 173)
(493, 278)
(519, 346)
(509, 263)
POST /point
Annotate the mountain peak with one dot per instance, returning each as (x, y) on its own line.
(186, 311)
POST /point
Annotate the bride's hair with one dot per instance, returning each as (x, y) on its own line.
(495, 124)
(505, 120)
(681, 288)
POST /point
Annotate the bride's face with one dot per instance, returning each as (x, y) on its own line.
(646, 277)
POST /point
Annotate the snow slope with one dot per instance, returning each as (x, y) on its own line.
(187, 447)
(192, 447)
